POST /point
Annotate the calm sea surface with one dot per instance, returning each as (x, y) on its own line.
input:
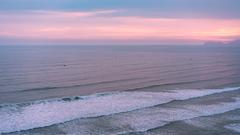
(120, 90)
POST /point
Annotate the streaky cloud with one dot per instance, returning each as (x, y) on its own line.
(152, 8)
(102, 25)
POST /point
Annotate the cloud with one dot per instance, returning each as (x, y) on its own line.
(102, 25)
(146, 8)
(74, 13)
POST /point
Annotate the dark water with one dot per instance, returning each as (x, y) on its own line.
(141, 90)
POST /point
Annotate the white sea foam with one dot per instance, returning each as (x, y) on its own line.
(161, 116)
(145, 119)
(235, 127)
(49, 112)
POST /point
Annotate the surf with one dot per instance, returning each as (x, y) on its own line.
(35, 114)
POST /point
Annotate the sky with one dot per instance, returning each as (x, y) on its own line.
(118, 21)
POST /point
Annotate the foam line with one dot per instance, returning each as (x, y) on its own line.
(17, 117)
(235, 127)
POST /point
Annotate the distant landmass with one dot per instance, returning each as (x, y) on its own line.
(213, 43)
(235, 42)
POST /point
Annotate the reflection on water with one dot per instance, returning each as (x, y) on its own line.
(36, 72)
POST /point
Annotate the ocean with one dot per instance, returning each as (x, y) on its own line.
(119, 90)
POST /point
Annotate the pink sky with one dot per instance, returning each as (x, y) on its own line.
(101, 26)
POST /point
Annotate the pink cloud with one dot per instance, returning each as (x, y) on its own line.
(95, 25)
(75, 13)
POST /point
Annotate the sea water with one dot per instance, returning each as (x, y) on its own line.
(119, 90)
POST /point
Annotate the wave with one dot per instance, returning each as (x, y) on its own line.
(201, 120)
(24, 116)
(78, 85)
(235, 127)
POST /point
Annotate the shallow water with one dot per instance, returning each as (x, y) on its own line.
(140, 90)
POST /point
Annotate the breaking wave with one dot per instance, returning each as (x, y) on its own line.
(24, 116)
